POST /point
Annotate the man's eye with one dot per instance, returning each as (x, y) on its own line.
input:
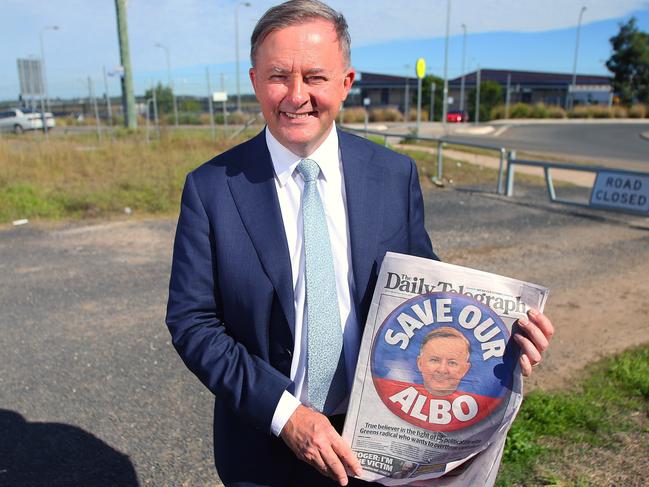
(452, 363)
(277, 77)
(315, 79)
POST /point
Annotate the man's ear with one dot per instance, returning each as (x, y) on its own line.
(348, 81)
(253, 79)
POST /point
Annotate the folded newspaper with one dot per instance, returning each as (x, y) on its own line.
(437, 380)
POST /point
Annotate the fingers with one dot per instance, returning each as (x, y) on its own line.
(542, 322)
(534, 335)
(333, 466)
(526, 366)
(347, 456)
(537, 332)
(312, 438)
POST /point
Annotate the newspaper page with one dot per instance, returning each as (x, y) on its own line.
(437, 379)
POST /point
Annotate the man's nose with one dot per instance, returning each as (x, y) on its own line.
(297, 92)
(442, 367)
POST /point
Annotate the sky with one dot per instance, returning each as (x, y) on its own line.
(387, 37)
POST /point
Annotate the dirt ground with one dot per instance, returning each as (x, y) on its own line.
(88, 299)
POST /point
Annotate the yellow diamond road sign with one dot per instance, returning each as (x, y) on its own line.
(421, 67)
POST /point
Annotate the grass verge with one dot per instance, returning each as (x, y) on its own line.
(461, 173)
(595, 434)
(75, 176)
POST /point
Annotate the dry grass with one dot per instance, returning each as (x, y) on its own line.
(76, 176)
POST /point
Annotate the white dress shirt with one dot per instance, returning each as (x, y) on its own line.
(331, 188)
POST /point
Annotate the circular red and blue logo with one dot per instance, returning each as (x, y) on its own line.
(444, 362)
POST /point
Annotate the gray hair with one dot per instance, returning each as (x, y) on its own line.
(296, 12)
(445, 332)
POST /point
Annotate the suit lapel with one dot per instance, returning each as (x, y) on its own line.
(253, 188)
(363, 187)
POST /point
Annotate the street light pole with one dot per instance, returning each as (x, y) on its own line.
(406, 95)
(463, 73)
(236, 49)
(445, 92)
(574, 64)
(171, 84)
(40, 35)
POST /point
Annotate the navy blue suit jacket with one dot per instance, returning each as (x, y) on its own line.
(231, 311)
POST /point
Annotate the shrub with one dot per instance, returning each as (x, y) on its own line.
(619, 112)
(638, 111)
(353, 115)
(539, 110)
(497, 112)
(385, 115)
(520, 110)
(413, 114)
(597, 111)
(555, 111)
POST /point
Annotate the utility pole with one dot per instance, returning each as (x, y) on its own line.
(225, 108)
(128, 97)
(445, 93)
(463, 67)
(432, 101)
(477, 96)
(171, 83)
(570, 97)
(508, 94)
(236, 49)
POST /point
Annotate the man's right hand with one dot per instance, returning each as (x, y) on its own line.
(314, 440)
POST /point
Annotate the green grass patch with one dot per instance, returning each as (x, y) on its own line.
(613, 398)
(73, 176)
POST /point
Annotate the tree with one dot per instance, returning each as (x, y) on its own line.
(491, 94)
(629, 63)
(164, 97)
(425, 94)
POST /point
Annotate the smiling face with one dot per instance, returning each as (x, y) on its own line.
(300, 80)
(443, 362)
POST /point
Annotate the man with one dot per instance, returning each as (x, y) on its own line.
(443, 360)
(277, 250)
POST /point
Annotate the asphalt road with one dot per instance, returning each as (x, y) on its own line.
(598, 142)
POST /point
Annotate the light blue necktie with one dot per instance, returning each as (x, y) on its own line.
(325, 366)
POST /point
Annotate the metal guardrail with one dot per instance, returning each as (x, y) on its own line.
(441, 143)
(508, 163)
(549, 183)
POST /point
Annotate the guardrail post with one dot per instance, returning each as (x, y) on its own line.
(510, 172)
(549, 183)
(501, 169)
(440, 161)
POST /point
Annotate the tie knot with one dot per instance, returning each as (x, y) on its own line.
(308, 169)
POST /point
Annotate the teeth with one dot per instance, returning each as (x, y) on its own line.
(296, 115)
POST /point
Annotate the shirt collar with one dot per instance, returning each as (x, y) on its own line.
(285, 162)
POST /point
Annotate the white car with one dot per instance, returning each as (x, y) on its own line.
(18, 121)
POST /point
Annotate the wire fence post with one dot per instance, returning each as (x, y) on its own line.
(501, 169)
(510, 172)
(209, 102)
(93, 100)
(440, 161)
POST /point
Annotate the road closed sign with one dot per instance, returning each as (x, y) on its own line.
(620, 190)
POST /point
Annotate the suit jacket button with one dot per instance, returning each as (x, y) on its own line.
(289, 352)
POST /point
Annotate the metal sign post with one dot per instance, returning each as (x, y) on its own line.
(421, 72)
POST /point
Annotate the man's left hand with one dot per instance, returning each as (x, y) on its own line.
(534, 338)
